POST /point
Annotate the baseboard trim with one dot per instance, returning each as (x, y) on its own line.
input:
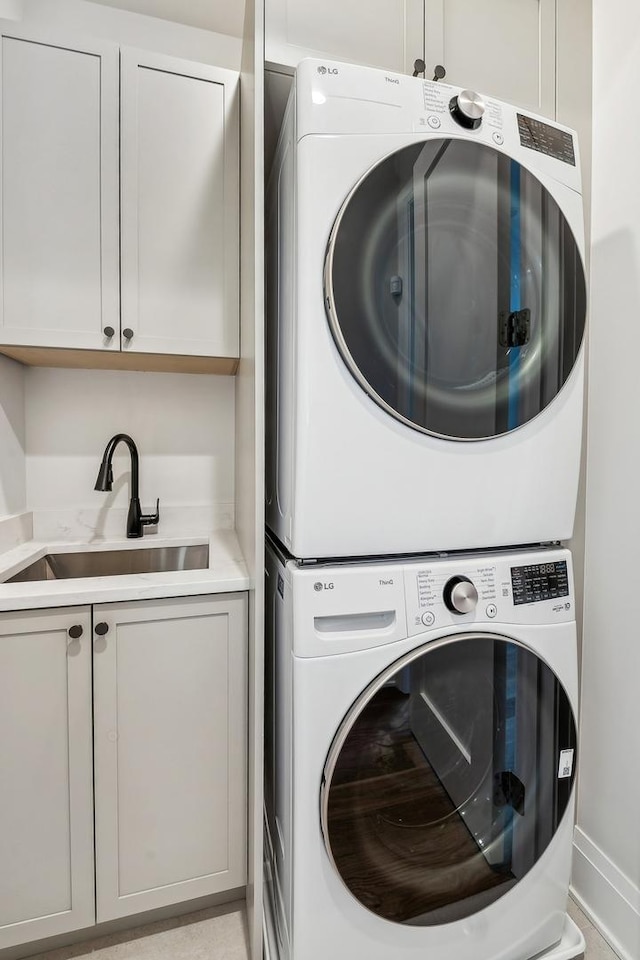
(610, 899)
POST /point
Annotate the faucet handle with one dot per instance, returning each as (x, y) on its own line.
(150, 519)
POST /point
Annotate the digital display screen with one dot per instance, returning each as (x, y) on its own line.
(539, 581)
(545, 138)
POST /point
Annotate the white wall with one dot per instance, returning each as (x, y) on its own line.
(12, 438)
(183, 425)
(607, 861)
(205, 14)
(132, 29)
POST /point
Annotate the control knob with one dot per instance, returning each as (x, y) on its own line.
(460, 595)
(467, 109)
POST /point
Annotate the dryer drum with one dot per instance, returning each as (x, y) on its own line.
(448, 779)
(455, 289)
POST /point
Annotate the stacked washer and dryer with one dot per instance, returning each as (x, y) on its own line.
(426, 305)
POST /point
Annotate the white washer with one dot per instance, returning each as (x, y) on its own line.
(426, 304)
(420, 761)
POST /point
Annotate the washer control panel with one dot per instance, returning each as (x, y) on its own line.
(535, 582)
(530, 587)
(447, 592)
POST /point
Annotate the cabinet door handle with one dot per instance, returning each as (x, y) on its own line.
(101, 629)
(127, 333)
(108, 331)
(75, 632)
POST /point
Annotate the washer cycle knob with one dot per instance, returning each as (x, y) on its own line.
(460, 595)
(467, 109)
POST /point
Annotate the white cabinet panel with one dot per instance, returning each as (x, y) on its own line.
(505, 48)
(118, 172)
(59, 192)
(46, 804)
(179, 207)
(170, 751)
(380, 33)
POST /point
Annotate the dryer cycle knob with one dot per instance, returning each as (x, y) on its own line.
(460, 595)
(467, 109)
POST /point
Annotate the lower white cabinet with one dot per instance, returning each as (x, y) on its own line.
(170, 751)
(46, 778)
(168, 760)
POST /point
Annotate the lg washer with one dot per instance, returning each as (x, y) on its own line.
(421, 757)
(426, 305)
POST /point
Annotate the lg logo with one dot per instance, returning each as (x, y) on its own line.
(330, 70)
(318, 586)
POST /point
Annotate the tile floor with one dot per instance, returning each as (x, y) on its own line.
(597, 948)
(220, 934)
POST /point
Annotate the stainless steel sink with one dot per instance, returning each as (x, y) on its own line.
(114, 563)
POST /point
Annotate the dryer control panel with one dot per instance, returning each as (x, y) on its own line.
(346, 98)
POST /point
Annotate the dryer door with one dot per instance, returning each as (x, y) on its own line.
(455, 290)
(448, 779)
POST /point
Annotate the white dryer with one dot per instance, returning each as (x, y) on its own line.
(420, 758)
(426, 305)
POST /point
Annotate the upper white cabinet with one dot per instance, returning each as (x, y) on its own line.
(380, 33)
(59, 192)
(46, 797)
(505, 48)
(119, 202)
(179, 222)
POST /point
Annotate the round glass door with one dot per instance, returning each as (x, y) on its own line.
(455, 290)
(448, 779)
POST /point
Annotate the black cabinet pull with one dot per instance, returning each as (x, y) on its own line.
(127, 333)
(101, 629)
(108, 331)
(75, 632)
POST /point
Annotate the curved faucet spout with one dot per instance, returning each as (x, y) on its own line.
(105, 473)
(136, 520)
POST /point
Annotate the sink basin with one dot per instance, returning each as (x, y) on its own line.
(114, 563)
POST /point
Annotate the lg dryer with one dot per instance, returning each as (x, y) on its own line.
(426, 306)
(420, 757)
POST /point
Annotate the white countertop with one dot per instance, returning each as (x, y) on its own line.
(226, 573)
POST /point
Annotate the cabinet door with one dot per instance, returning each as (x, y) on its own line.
(59, 192)
(46, 803)
(504, 48)
(380, 33)
(179, 195)
(170, 751)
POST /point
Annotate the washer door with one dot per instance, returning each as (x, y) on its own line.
(455, 290)
(448, 779)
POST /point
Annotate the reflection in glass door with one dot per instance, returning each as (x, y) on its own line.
(455, 289)
(448, 779)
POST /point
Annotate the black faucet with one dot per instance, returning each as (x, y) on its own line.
(136, 520)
